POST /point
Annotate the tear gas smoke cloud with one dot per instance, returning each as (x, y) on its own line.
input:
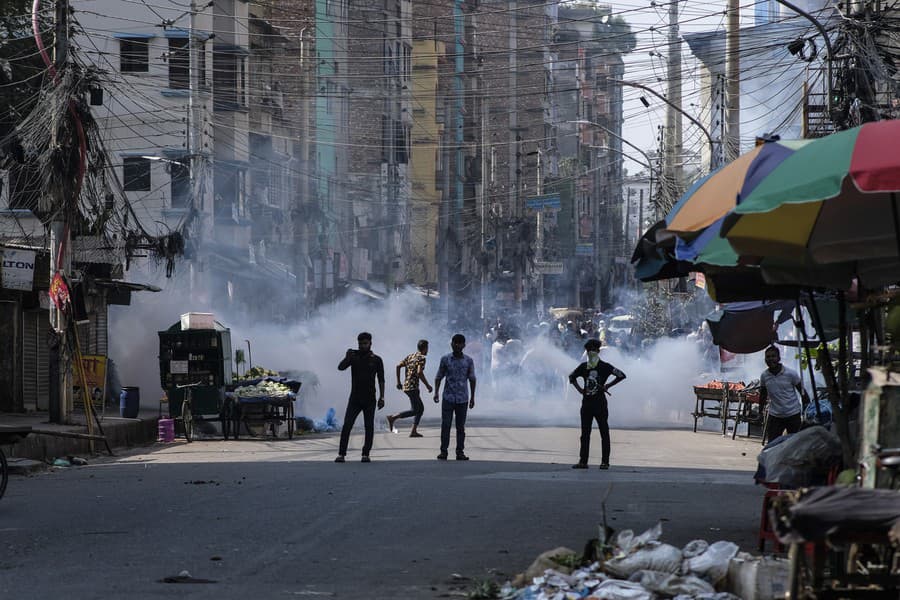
(657, 393)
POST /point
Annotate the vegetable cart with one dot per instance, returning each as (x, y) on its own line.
(711, 400)
(750, 410)
(266, 402)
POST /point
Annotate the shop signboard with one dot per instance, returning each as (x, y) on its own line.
(546, 267)
(543, 202)
(18, 269)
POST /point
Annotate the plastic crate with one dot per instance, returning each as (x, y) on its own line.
(196, 320)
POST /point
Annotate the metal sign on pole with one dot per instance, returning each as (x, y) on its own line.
(544, 202)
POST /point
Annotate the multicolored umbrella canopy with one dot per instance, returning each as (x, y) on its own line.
(835, 200)
(697, 216)
(714, 196)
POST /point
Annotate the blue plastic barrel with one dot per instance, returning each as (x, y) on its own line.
(129, 402)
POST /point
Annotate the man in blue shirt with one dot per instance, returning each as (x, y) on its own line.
(457, 369)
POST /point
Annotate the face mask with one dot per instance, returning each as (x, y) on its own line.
(593, 358)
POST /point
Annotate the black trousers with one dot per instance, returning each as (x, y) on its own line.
(354, 407)
(590, 412)
(417, 408)
(448, 411)
(775, 426)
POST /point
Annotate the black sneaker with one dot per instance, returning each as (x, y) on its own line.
(340, 458)
(365, 458)
(604, 466)
(442, 456)
(462, 457)
(579, 466)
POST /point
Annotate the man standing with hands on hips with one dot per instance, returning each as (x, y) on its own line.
(365, 367)
(457, 369)
(594, 374)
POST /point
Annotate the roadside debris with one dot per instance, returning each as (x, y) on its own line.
(184, 577)
(642, 567)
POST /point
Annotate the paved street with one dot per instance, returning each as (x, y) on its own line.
(271, 519)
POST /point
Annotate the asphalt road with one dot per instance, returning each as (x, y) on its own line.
(271, 519)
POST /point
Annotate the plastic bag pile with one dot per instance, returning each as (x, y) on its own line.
(639, 568)
(329, 423)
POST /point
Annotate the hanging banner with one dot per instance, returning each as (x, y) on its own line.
(18, 269)
(59, 292)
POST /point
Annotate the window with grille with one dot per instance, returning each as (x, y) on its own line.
(180, 184)
(136, 175)
(179, 64)
(134, 55)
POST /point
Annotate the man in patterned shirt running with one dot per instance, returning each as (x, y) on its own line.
(415, 372)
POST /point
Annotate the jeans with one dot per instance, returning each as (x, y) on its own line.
(589, 413)
(448, 410)
(417, 408)
(354, 407)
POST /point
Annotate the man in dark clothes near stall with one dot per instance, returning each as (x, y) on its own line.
(594, 374)
(365, 366)
(779, 386)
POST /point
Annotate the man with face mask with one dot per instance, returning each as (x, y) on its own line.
(779, 386)
(594, 374)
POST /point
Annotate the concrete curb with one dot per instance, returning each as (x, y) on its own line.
(121, 433)
(25, 466)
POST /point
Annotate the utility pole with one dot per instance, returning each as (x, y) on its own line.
(539, 236)
(60, 400)
(674, 149)
(444, 219)
(301, 228)
(732, 146)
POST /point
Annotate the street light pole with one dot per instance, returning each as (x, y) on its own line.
(713, 157)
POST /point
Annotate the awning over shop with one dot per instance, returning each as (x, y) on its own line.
(118, 292)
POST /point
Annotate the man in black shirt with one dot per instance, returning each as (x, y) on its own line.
(594, 373)
(365, 367)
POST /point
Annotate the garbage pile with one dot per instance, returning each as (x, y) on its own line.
(642, 567)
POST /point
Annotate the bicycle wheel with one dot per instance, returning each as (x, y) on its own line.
(4, 473)
(187, 420)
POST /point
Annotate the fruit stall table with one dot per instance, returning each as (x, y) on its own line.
(268, 402)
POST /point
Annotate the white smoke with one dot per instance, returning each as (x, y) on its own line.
(658, 391)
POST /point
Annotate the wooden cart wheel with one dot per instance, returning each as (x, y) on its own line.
(187, 421)
(290, 420)
(4, 473)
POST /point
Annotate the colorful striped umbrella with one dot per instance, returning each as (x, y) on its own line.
(697, 216)
(715, 195)
(835, 200)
